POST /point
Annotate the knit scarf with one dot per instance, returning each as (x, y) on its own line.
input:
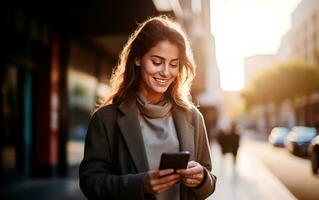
(158, 110)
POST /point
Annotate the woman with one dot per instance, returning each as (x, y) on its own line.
(229, 140)
(148, 113)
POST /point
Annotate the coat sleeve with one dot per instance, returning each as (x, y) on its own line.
(96, 178)
(202, 155)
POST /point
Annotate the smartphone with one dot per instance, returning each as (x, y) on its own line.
(174, 160)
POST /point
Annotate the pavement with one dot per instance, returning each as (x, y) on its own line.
(249, 179)
(44, 188)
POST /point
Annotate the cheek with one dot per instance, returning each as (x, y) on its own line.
(175, 72)
(146, 75)
(148, 67)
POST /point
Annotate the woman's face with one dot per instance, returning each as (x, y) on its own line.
(159, 67)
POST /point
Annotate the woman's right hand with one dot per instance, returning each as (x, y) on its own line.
(157, 181)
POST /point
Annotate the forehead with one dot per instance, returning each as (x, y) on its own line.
(165, 49)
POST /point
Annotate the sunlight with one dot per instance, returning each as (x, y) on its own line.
(245, 28)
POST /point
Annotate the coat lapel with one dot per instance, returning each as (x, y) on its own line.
(131, 131)
(185, 131)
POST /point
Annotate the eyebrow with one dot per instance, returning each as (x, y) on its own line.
(160, 57)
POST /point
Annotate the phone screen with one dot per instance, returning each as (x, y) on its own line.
(174, 160)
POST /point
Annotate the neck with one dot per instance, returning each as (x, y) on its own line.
(152, 97)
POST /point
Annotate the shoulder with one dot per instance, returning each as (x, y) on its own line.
(196, 114)
(193, 114)
(105, 112)
(105, 109)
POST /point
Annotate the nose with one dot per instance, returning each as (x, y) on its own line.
(165, 70)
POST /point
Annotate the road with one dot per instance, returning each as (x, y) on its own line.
(294, 172)
(263, 172)
(249, 179)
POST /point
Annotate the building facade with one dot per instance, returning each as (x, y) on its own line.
(54, 63)
(299, 43)
(302, 40)
(255, 64)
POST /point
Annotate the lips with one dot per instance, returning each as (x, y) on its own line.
(162, 82)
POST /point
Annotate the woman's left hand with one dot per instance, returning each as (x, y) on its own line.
(193, 175)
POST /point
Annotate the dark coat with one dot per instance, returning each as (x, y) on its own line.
(229, 142)
(115, 162)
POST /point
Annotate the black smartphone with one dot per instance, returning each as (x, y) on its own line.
(174, 160)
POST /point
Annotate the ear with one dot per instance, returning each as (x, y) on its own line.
(138, 62)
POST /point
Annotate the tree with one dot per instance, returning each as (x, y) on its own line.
(281, 81)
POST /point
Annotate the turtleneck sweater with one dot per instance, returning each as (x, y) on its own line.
(159, 135)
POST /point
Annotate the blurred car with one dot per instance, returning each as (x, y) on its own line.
(314, 154)
(299, 138)
(78, 132)
(278, 136)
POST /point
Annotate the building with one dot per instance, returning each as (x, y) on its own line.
(285, 50)
(56, 56)
(206, 90)
(302, 40)
(301, 43)
(255, 64)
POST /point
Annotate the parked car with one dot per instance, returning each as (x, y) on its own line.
(278, 136)
(299, 138)
(314, 154)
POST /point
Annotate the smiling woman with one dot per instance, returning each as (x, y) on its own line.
(148, 113)
(159, 67)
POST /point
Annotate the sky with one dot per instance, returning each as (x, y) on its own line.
(244, 28)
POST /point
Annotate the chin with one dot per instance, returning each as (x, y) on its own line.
(160, 90)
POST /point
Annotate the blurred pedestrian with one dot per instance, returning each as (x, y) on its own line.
(210, 118)
(229, 140)
(148, 113)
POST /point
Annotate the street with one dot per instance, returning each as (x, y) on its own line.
(263, 172)
(294, 172)
(118, 68)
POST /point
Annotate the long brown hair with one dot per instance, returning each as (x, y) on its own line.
(126, 77)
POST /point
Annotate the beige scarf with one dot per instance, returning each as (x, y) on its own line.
(161, 109)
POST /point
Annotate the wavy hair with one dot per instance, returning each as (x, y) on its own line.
(126, 77)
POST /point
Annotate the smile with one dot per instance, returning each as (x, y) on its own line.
(161, 81)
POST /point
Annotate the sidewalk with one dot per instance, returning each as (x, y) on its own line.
(48, 189)
(249, 180)
(51, 188)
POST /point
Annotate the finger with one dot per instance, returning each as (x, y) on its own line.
(153, 173)
(165, 172)
(165, 186)
(199, 176)
(193, 170)
(164, 189)
(191, 164)
(166, 179)
(190, 182)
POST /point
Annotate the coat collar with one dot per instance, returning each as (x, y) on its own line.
(184, 129)
(131, 131)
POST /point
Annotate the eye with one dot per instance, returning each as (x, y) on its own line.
(157, 62)
(174, 64)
